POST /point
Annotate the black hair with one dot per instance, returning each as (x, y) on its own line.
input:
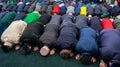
(25, 49)
(6, 48)
(86, 59)
(65, 55)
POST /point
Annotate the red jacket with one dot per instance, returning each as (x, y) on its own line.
(118, 0)
(56, 9)
(107, 23)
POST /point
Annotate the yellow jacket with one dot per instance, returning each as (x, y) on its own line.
(83, 11)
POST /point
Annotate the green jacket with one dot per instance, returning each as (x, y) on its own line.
(85, 5)
(11, 1)
(8, 18)
(32, 17)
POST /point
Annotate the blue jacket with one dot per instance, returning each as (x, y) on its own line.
(110, 45)
(21, 8)
(87, 41)
(63, 10)
(20, 16)
(77, 9)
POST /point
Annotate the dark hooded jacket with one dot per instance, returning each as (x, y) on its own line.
(21, 8)
(45, 18)
(110, 45)
(27, 7)
(95, 24)
(81, 21)
(68, 33)
(32, 33)
(20, 16)
(51, 31)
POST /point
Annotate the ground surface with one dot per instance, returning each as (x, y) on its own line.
(15, 59)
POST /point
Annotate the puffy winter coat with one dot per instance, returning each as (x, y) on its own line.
(81, 21)
(32, 33)
(110, 45)
(12, 34)
(83, 11)
(95, 24)
(87, 41)
(107, 23)
(56, 9)
(68, 33)
(32, 17)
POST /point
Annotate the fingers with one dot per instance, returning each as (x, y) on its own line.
(35, 48)
(93, 60)
(78, 57)
(52, 52)
(71, 54)
(17, 47)
(103, 64)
